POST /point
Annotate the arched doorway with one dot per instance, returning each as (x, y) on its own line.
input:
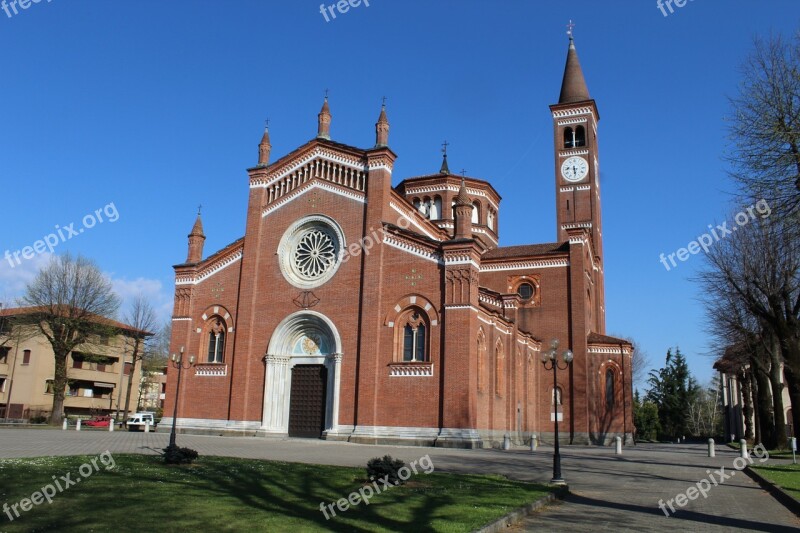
(303, 362)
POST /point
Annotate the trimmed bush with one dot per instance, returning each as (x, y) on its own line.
(381, 467)
(178, 456)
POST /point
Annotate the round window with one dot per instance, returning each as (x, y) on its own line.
(309, 251)
(525, 291)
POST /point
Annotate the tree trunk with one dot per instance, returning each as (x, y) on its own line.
(128, 393)
(59, 385)
(745, 380)
(793, 382)
(764, 404)
(776, 381)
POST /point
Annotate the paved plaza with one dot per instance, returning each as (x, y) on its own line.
(619, 493)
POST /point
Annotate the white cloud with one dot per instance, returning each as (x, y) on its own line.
(14, 279)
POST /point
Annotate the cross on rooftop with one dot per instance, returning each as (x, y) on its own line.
(444, 147)
(570, 27)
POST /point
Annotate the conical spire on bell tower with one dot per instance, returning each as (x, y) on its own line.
(324, 121)
(382, 128)
(196, 240)
(445, 169)
(264, 147)
(573, 86)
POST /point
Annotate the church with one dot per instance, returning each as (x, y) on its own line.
(358, 310)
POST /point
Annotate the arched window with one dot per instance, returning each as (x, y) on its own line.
(569, 138)
(216, 340)
(425, 207)
(414, 344)
(500, 369)
(436, 208)
(580, 136)
(476, 213)
(417, 204)
(609, 388)
(453, 210)
(481, 361)
(490, 220)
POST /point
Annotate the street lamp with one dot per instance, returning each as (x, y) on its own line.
(177, 362)
(550, 361)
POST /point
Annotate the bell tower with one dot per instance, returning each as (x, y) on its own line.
(577, 170)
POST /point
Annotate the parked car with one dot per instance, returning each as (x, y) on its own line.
(97, 422)
(137, 421)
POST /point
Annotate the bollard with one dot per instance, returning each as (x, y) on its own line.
(534, 443)
(506, 442)
(111, 425)
(64, 425)
(711, 450)
(618, 445)
(147, 426)
(78, 425)
(743, 443)
(793, 444)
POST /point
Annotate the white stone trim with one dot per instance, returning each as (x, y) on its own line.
(608, 350)
(316, 153)
(574, 112)
(570, 153)
(410, 249)
(411, 370)
(524, 265)
(211, 424)
(316, 184)
(175, 319)
(426, 189)
(412, 220)
(579, 120)
(209, 271)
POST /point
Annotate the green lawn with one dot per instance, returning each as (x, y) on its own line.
(786, 477)
(223, 494)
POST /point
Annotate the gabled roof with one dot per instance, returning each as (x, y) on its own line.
(525, 250)
(597, 338)
(28, 311)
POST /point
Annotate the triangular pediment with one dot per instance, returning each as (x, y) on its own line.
(339, 169)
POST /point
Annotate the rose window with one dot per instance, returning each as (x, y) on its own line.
(309, 251)
(314, 254)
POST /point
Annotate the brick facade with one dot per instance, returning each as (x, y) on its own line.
(431, 333)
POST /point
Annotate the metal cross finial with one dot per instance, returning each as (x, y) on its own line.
(326, 94)
(384, 101)
(444, 147)
(199, 209)
(570, 27)
(266, 124)
(464, 172)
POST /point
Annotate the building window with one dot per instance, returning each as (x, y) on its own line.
(216, 341)
(500, 369)
(580, 137)
(77, 361)
(525, 291)
(48, 387)
(26, 357)
(128, 368)
(413, 334)
(609, 388)
(476, 213)
(490, 220)
(4, 355)
(569, 138)
(436, 208)
(309, 251)
(2, 383)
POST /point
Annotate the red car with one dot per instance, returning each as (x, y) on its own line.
(97, 422)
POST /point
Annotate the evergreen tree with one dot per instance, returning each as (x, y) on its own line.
(672, 390)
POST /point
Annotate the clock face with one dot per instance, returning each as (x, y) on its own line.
(574, 168)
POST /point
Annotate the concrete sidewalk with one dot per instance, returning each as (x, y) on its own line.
(609, 492)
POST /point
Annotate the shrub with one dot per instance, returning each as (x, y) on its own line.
(173, 455)
(38, 419)
(381, 467)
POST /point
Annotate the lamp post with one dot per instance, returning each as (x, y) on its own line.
(177, 362)
(550, 361)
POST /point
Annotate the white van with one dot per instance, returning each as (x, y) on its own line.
(137, 421)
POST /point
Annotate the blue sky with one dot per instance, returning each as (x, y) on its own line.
(156, 107)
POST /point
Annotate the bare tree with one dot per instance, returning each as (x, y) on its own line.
(752, 292)
(765, 127)
(71, 303)
(142, 319)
